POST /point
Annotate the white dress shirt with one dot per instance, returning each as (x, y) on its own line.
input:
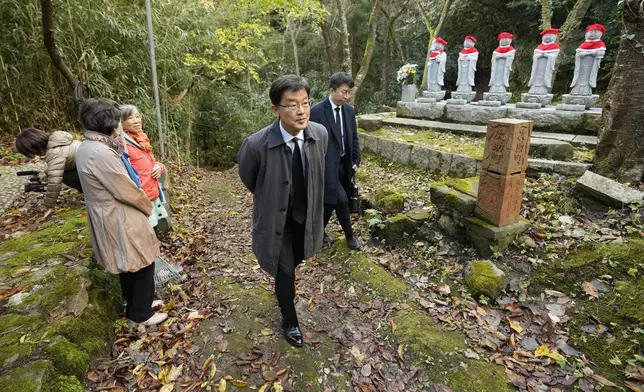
(290, 142)
(333, 106)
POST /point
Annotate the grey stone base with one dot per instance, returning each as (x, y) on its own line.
(426, 100)
(489, 103)
(430, 111)
(468, 97)
(474, 114)
(607, 191)
(454, 101)
(568, 169)
(370, 122)
(551, 149)
(437, 95)
(529, 105)
(485, 235)
(571, 108)
(586, 100)
(497, 97)
(543, 99)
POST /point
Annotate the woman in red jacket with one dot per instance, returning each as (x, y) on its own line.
(141, 158)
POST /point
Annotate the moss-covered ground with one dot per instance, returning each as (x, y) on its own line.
(67, 310)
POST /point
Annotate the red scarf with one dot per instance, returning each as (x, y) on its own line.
(592, 45)
(547, 47)
(435, 53)
(142, 139)
(469, 50)
(504, 49)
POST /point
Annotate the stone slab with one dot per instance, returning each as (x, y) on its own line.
(543, 99)
(370, 122)
(584, 100)
(551, 149)
(426, 100)
(607, 191)
(420, 157)
(386, 148)
(564, 137)
(401, 153)
(368, 143)
(592, 121)
(571, 108)
(468, 97)
(489, 103)
(587, 141)
(484, 235)
(549, 120)
(448, 199)
(528, 105)
(569, 169)
(462, 166)
(437, 95)
(430, 111)
(456, 101)
(474, 114)
(497, 97)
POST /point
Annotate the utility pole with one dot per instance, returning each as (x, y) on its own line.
(155, 83)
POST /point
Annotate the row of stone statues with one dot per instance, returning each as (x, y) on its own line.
(587, 63)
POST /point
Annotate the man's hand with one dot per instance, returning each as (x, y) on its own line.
(355, 168)
(156, 171)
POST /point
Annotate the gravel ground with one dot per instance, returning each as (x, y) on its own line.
(11, 186)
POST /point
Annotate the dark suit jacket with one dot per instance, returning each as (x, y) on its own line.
(323, 113)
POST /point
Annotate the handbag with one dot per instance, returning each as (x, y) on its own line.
(354, 200)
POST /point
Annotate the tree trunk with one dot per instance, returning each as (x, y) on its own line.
(546, 14)
(391, 20)
(328, 45)
(48, 36)
(573, 20)
(344, 33)
(369, 48)
(292, 33)
(620, 152)
(385, 67)
(433, 32)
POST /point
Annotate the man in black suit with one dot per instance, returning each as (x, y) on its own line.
(343, 153)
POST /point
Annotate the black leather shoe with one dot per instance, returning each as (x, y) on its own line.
(327, 238)
(293, 335)
(354, 243)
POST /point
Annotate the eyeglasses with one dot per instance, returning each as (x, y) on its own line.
(294, 107)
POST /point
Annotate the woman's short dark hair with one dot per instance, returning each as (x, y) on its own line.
(340, 78)
(292, 83)
(100, 115)
(32, 142)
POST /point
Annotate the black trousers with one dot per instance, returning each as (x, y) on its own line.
(341, 208)
(291, 255)
(138, 291)
(70, 178)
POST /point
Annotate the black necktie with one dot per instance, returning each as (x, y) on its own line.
(298, 196)
(338, 127)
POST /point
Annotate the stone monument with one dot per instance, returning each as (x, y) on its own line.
(502, 59)
(587, 63)
(467, 59)
(435, 72)
(543, 67)
(500, 191)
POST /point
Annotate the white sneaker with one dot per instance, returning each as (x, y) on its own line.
(157, 302)
(157, 318)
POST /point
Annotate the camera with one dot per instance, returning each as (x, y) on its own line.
(34, 185)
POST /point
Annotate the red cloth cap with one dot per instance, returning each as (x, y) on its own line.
(441, 41)
(504, 35)
(550, 31)
(596, 27)
(470, 38)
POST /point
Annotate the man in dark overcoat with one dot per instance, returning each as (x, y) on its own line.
(343, 153)
(283, 166)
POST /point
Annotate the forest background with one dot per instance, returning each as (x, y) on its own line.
(216, 59)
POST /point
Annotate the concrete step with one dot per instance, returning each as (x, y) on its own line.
(480, 130)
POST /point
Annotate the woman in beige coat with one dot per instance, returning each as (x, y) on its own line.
(122, 237)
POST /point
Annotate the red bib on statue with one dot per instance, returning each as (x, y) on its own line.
(590, 45)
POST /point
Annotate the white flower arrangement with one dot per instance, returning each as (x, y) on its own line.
(407, 74)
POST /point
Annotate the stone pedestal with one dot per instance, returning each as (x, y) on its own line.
(426, 100)
(586, 100)
(454, 101)
(468, 97)
(409, 93)
(542, 99)
(437, 95)
(489, 103)
(503, 98)
(484, 235)
(571, 108)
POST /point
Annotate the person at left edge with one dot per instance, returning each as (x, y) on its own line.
(283, 167)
